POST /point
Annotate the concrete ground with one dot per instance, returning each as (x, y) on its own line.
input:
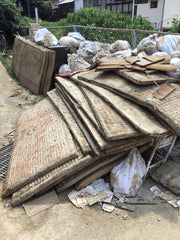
(63, 220)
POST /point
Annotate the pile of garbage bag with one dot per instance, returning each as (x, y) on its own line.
(85, 54)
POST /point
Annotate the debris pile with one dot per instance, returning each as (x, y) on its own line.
(91, 120)
(85, 127)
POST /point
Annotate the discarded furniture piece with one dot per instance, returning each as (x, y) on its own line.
(33, 65)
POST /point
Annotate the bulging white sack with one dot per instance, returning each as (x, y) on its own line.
(127, 177)
(169, 43)
(40, 33)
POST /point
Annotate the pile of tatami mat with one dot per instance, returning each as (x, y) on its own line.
(85, 127)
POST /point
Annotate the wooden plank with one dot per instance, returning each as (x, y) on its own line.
(163, 67)
(143, 62)
(163, 91)
(154, 59)
(141, 78)
(132, 60)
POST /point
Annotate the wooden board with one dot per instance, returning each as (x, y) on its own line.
(43, 141)
(141, 78)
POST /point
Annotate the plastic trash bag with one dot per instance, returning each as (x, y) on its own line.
(119, 45)
(122, 54)
(169, 43)
(87, 50)
(77, 63)
(48, 39)
(160, 54)
(126, 178)
(69, 42)
(40, 33)
(64, 69)
(148, 44)
(141, 55)
(76, 35)
(175, 61)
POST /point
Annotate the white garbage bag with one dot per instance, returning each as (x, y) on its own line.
(122, 54)
(126, 178)
(77, 63)
(76, 35)
(40, 33)
(169, 43)
(69, 42)
(148, 44)
(64, 69)
(119, 45)
(160, 54)
(87, 50)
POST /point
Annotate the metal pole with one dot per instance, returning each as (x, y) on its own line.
(134, 40)
(28, 8)
(162, 18)
(133, 10)
(36, 14)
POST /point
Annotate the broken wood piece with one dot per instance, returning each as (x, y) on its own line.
(155, 59)
(163, 91)
(142, 77)
(163, 67)
(143, 62)
(132, 60)
(109, 67)
(137, 68)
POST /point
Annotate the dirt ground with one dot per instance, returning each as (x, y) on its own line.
(63, 220)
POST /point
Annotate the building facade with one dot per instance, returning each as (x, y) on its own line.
(159, 12)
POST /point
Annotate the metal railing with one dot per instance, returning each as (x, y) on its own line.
(105, 35)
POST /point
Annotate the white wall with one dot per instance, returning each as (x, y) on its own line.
(154, 15)
(171, 10)
(78, 4)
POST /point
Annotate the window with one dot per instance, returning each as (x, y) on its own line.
(97, 2)
(141, 1)
(154, 4)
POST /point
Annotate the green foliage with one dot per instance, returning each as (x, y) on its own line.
(175, 27)
(106, 19)
(25, 21)
(10, 15)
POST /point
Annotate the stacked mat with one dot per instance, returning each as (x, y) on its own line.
(33, 65)
(85, 127)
